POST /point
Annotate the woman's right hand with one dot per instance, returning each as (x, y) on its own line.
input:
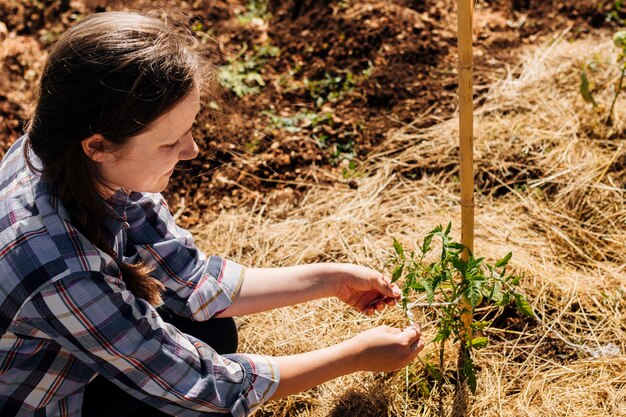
(384, 348)
(380, 349)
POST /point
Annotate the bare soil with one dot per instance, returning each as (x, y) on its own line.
(339, 77)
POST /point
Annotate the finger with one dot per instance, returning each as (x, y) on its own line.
(374, 303)
(390, 301)
(413, 333)
(380, 304)
(385, 287)
(417, 346)
(392, 330)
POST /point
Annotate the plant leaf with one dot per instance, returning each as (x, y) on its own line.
(426, 244)
(473, 264)
(473, 294)
(410, 283)
(436, 230)
(515, 280)
(478, 342)
(459, 264)
(480, 324)
(506, 298)
(585, 89)
(456, 245)
(495, 294)
(398, 248)
(397, 273)
(442, 335)
(523, 306)
(504, 261)
(428, 286)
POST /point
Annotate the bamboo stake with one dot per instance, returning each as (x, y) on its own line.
(466, 144)
(466, 137)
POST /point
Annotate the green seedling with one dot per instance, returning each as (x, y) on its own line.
(299, 121)
(586, 85)
(444, 282)
(241, 74)
(620, 41)
(255, 9)
(330, 88)
(617, 12)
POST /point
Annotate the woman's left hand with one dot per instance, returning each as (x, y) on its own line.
(365, 289)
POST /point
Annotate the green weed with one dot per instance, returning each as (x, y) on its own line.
(617, 13)
(334, 86)
(350, 170)
(241, 74)
(255, 9)
(299, 121)
(330, 88)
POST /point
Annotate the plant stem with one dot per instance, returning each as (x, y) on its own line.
(619, 89)
(460, 404)
(440, 388)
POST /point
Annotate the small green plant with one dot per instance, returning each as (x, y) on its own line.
(586, 85)
(299, 121)
(255, 9)
(444, 282)
(331, 87)
(241, 73)
(620, 41)
(617, 12)
(349, 169)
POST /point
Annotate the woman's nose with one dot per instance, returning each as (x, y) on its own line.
(190, 149)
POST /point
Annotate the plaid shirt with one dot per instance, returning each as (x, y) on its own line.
(65, 313)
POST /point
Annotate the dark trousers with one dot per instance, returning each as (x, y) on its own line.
(105, 399)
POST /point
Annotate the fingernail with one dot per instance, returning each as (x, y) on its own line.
(397, 292)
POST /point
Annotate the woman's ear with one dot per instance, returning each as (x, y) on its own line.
(97, 148)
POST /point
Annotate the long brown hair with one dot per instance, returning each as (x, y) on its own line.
(110, 74)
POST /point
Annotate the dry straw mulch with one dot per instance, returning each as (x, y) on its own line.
(550, 180)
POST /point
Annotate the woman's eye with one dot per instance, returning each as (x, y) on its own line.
(173, 145)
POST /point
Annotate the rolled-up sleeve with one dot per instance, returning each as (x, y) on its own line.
(198, 287)
(124, 339)
(261, 380)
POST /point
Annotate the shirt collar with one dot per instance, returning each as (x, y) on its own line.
(118, 202)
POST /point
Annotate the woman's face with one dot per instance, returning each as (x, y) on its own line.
(146, 162)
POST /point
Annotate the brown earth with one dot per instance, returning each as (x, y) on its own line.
(338, 76)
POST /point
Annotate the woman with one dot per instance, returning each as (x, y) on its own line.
(106, 306)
